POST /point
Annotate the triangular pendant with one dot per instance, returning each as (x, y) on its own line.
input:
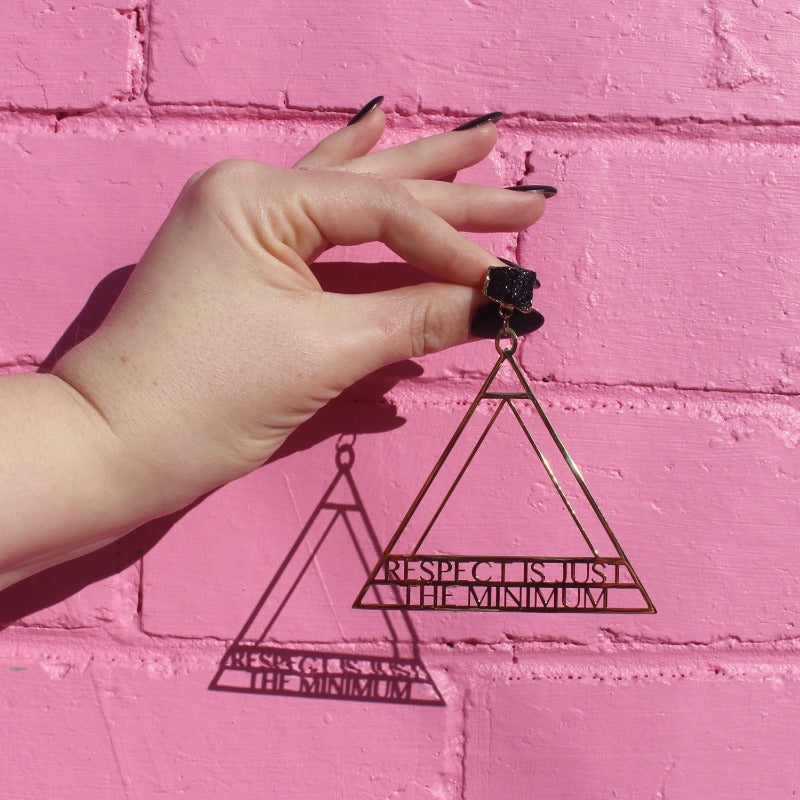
(592, 574)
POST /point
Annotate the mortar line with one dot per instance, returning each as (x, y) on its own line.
(140, 596)
(688, 128)
(147, 17)
(576, 396)
(732, 647)
(446, 384)
(465, 700)
(26, 364)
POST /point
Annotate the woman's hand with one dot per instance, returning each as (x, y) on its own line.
(223, 341)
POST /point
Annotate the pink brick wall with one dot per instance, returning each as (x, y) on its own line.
(670, 362)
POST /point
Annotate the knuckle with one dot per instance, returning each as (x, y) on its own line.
(216, 184)
(393, 203)
(395, 192)
(193, 180)
(427, 329)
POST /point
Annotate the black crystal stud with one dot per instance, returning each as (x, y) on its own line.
(511, 286)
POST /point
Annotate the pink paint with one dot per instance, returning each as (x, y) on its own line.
(59, 56)
(665, 737)
(692, 59)
(670, 354)
(711, 305)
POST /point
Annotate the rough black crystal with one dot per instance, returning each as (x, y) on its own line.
(511, 285)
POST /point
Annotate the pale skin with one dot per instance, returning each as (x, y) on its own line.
(223, 342)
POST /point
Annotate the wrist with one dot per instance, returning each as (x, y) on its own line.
(149, 421)
(71, 483)
(131, 483)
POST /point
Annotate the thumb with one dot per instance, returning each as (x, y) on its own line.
(384, 327)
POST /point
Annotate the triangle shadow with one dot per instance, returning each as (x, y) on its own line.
(254, 665)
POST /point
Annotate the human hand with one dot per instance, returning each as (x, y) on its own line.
(223, 342)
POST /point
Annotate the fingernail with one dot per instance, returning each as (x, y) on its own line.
(371, 106)
(547, 191)
(474, 123)
(486, 322)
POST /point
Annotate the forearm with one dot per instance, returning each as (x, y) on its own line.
(68, 485)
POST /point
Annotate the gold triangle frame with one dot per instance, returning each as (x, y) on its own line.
(563, 584)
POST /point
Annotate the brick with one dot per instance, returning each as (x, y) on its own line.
(657, 267)
(262, 518)
(673, 738)
(50, 720)
(88, 601)
(58, 56)
(155, 734)
(693, 59)
(684, 483)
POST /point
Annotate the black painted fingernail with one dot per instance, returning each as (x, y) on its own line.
(486, 322)
(473, 123)
(371, 106)
(547, 191)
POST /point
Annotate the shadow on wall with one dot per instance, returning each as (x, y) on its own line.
(258, 664)
(374, 415)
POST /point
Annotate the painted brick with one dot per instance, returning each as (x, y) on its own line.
(725, 739)
(667, 262)
(90, 603)
(106, 732)
(717, 60)
(702, 494)
(61, 56)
